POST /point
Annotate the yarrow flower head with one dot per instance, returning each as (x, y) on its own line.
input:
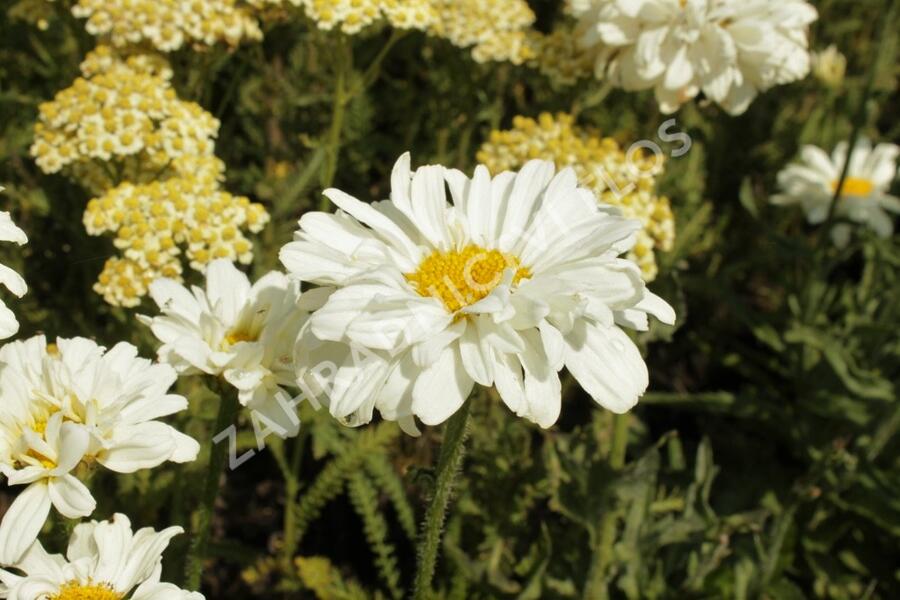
(243, 332)
(558, 56)
(494, 30)
(104, 561)
(70, 404)
(624, 180)
(513, 279)
(728, 49)
(352, 16)
(155, 223)
(167, 25)
(813, 180)
(11, 280)
(123, 123)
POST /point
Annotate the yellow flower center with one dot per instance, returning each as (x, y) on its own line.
(76, 591)
(239, 335)
(460, 278)
(854, 186)
(45, 462)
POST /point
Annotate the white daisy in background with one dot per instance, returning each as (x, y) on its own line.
(244, 333)
(104, 561)
(74, 403)
(728, 49)
(813, 180)
(516, 278)
(9, 232)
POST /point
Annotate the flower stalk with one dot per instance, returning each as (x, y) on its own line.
(449, 463)
(218, 457)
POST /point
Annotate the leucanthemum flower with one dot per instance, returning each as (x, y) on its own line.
(813, 180)
(728, 49)
(104, 561)
(9, 232)
(243, 332)
(517, 277)
(73, 404)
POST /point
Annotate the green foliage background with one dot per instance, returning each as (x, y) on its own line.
(763, 463)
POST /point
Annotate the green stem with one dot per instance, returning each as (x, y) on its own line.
(218, 455)
(341, 98)
(595, 587)
(449, 462)
(343, 94)
(374, 68)
(291, 473)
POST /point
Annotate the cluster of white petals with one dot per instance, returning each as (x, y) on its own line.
(70, 404)
(104, 561)
(243, 332)
(515, 278)
(10, 232)
(813, 180)
(728, 49)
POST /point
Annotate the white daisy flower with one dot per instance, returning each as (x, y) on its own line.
(9, 232)
(728, 49)
(516, 278)
(71, 404)
(244, 333)
(104, 561)
(813, 180)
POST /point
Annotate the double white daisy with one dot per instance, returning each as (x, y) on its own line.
(245, 333)
(74, 403)
(515, 278)
(728, 49)
(9, 232)
(104, 561)
(813, 180)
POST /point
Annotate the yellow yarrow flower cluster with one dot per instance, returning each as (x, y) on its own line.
(496, 30)
(168, 25)
(352, 16)
(105, 59)
(625, 180)
(558, 56)
(155, 223)
(122, 121)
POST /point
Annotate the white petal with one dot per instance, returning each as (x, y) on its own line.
(607, 364)
(139, 446)
(71, 497)
(23, 522)
(429, 205)
(441, 389)
(380, 223)
(475, 354)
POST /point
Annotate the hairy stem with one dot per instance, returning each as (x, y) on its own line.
(218, 456)
(449, 462)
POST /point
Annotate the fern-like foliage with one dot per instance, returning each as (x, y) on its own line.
(330, 482)
(365, 500)
(385, 476)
